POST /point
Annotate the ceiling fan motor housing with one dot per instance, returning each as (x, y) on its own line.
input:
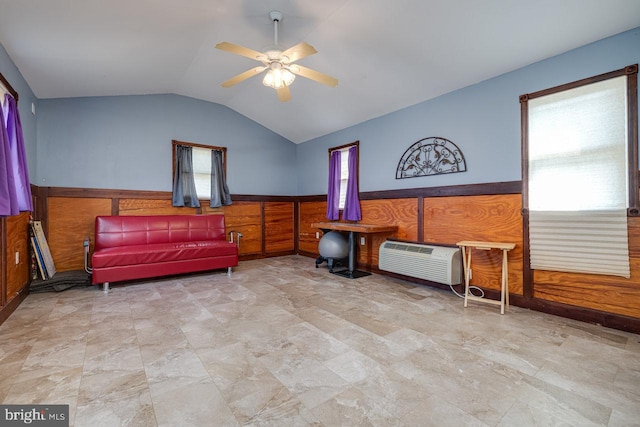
(275, 15)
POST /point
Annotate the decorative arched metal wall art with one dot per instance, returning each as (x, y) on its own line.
(431, 156)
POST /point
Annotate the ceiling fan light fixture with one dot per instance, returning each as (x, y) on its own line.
(278, 76)
(287, 77)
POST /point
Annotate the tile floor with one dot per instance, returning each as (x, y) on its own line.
(281, 343)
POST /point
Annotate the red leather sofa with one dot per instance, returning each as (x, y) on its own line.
(137, 247)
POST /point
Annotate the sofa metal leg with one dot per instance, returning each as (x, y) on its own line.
(105, 286)
(229, 271)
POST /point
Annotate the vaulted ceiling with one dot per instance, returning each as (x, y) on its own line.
(386, 54)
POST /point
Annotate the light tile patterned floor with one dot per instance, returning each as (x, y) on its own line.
(283, 343)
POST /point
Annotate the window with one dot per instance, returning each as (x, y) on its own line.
(199, 173)
(342, 192)
(344, 176)
(201, 158)
(580, 173)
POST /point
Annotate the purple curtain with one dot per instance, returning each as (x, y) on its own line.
(352, 203)
(18, 156)
(333, 192)
(8, 198)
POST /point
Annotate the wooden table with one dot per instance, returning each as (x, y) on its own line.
(467, 247)
(354, 229)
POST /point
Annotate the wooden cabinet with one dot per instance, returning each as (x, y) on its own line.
(278, 227)
(244, 218)
(16, 260)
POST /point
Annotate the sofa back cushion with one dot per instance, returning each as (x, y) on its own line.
(114, 231)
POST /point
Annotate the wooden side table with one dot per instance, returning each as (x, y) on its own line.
(467, 248)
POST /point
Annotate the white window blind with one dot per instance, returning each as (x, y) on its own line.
(201, 158)
(344, 176)
(578, 179)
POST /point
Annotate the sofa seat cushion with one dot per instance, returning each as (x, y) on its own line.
(161, 252)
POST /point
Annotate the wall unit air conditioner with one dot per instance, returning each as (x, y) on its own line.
(439, 264)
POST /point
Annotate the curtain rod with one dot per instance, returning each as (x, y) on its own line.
(342, 147)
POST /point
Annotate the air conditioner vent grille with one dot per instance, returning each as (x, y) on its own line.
(439, 264)
(408, 248)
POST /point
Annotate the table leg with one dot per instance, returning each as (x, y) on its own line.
(505, 282)
(351, 272)
(352, 253)
(466, 266)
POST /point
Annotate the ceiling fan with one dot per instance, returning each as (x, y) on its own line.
(281, 70)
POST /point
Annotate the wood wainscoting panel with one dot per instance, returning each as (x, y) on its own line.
(71, 220)
(278, 227)
(402, 213)
(17, 242)
(243, 217)
(310, 212)
(491, 218)
(151, 207)
(610, 294)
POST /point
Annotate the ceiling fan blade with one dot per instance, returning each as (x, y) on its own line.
(299, 51)
(284, 94)
(313, 75)
(240, 50)
(243, 76)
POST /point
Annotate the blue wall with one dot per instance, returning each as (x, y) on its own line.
(25, 99)
(124, 142)
(483, 120)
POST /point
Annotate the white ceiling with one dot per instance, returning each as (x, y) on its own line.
(386, 54)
